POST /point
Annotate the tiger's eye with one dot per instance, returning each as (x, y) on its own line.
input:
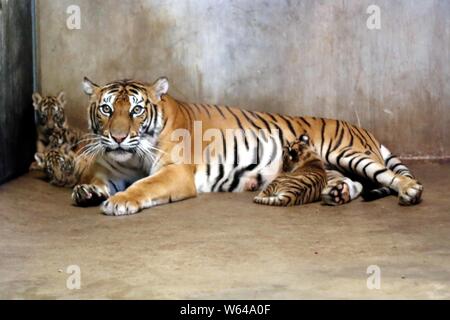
(137, 110)
(105, 109)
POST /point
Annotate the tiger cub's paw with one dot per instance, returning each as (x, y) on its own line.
(340, 193)
(85, 195)
(121, 204)
(410, 192)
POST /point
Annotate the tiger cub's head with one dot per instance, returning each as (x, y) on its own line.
(125, 117)
(58, 166)
(50, 112)
(298, 153)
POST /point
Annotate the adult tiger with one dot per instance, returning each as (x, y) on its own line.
(134, 124)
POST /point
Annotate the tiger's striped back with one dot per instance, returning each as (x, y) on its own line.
(302, 180)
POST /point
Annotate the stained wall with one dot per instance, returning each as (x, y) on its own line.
(295, 57)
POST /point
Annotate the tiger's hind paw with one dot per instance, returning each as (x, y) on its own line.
(341, 193)
(410, 193)
(336, 195)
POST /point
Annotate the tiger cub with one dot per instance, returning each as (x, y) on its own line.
(302, 178)
(63, 165)
(59, 167)
(52, 128)
(56, 142)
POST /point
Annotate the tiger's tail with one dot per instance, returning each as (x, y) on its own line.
(280, 200)
(394, 164)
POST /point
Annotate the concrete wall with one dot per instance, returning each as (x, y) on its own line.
(16, 88)
(295, 57)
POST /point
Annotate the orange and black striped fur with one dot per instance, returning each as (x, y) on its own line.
(62, 165)
(57, 143)
(302, 179)
(52, 128)
(59, 167)
(138, 130)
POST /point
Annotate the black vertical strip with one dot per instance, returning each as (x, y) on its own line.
(220, 175)
(289, 125)
(359, 161)
(208, 163)
(208, 171)
(220, 111)
(375, 144)
(187, 111)
(360, 137)
(305, 122)
(322, 135)
(273, 153)
(239, 173)
(258, 116)
(238, 122)
(253, 124)
(351, 135)
(338, 141)
(244, 136)
(386, 161)
(271, 116)
(338, 125)
(283, 140)
(224, 142)
(206, 110)
(151, 125)
(196, 108)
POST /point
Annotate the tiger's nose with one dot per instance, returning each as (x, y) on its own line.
(119, 138)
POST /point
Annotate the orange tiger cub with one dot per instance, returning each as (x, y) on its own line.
(302, 179)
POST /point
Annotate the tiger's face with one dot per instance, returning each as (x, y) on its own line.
(296, 153)
(125, 117)
(50, 112)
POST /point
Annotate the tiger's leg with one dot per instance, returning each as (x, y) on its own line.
(409, 190)
(340, 189)
(172, 183)
(393, 163)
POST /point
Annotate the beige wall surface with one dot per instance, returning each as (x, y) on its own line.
(294, 57)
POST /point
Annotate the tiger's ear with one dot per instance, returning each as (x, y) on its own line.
(89, 87)
(159, 88)
(37, 98)
(61, 98)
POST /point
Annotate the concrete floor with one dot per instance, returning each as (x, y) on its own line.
(224, 246)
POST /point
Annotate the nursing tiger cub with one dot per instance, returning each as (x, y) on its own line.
(137, 128)
(302, 179)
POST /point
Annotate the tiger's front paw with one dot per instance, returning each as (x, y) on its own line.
(121, 204)
(86, 195)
